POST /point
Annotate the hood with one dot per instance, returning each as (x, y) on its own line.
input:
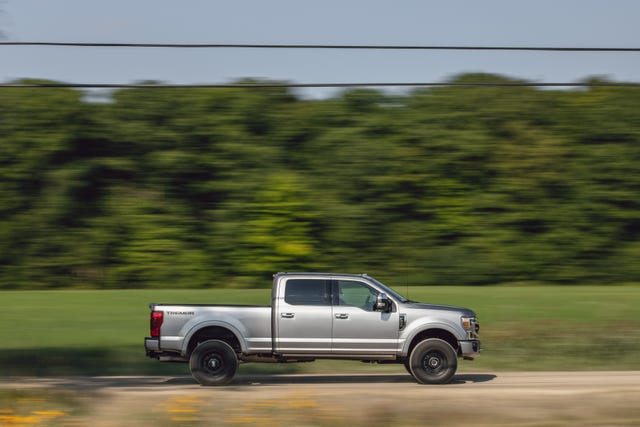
(422, 306)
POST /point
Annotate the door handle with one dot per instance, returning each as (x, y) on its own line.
(287, 315)
(342, 316)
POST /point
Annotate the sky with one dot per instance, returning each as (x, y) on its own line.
(575, 23)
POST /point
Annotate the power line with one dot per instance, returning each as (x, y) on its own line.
(307, 85)
(322, 46)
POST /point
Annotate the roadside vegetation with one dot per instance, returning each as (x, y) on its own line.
(40, 407)
(523, 328)
(194, 188)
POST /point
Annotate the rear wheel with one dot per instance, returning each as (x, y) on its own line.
(213, 362)
(433, 361)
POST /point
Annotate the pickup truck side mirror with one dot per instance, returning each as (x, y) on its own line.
(383, 303)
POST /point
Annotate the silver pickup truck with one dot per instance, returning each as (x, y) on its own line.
(316, 316)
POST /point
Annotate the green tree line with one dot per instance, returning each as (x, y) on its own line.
(223, 187)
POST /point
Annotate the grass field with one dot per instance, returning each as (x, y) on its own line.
(523, 328)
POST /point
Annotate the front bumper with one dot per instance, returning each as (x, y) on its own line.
(470, 349)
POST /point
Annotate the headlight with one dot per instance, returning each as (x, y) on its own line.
(468, 323)
(471, 325)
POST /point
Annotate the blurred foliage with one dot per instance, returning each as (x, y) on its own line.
(223, 187)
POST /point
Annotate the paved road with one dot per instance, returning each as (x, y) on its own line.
(477, 399)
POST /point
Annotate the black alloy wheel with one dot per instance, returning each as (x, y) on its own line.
(433, 361)
(213, 363)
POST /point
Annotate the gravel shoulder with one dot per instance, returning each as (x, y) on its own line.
(480, 399)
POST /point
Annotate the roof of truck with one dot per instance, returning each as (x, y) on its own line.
(307, 273)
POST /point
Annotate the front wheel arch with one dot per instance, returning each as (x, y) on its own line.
(439, 333)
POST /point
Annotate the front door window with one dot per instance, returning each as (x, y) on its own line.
(356, 294)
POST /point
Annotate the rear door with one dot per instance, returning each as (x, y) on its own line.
(303, 318)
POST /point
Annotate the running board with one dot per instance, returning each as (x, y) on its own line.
(349, 356)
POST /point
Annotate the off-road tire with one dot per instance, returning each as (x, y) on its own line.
(433, 361)
(213, 363)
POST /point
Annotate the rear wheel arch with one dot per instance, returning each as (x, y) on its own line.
(220, 333)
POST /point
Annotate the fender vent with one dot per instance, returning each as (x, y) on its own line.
(403, 321)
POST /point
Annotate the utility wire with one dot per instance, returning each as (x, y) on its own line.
(306, 85)
(321, 46)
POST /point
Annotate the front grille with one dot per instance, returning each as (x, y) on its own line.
(475, 329)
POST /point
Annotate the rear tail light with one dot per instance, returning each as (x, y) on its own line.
(156, 323)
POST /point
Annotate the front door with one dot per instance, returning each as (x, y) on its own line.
(357, 327)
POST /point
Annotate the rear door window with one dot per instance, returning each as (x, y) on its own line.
(308, 292)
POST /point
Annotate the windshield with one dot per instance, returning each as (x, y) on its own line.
(389, 291)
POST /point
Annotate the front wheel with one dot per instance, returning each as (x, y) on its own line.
(213, 362)
(433, 361)
(407, 366)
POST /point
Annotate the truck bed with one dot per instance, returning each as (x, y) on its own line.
(252, 322)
